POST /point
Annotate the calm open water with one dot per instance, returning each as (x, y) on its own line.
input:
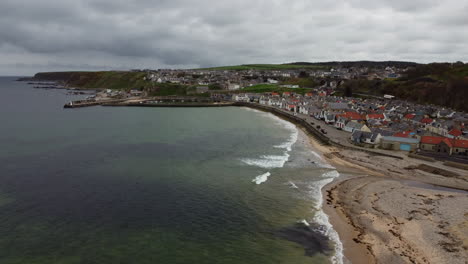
(155, 185)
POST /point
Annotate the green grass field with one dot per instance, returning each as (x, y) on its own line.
(269, 88)
(265, 67)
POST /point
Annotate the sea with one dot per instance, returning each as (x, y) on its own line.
(156, 185)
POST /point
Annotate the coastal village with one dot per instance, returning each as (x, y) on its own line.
(385, 123)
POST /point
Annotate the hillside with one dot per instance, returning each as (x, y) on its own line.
(443, 84)
(118, 80)
(349, 64)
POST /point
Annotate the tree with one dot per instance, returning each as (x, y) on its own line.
(215, 86)
(348, 92)
(303, 74)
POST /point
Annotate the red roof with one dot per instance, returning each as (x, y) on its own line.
(287, 93)
(447, 141)
(455, 132)
(431, 140)
(409, 116)
(309, 94)
(352, 116)
(403, 134)
(274, 94)
(375, 116)
(460, 143)
(292, 106)
(457, 143)
(426, 120)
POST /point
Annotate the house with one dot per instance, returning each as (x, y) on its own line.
(453, 146)
(454, 133)
(352, 116)
(338, 106)
(241, 98)
(429, 143)
(408, 117)
(233, 86)
(460, 147)
(330, 118)
(136, 93)
(263, 100)
(308, 110)
(382, 132)
(340, 122)
(274, 102)
(375, 117)
(404, 134)
(291, 107)
(426, 121)
(367, 139)
(399, 143)
(352, 126)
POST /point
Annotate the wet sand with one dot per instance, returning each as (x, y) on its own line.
(385, 211)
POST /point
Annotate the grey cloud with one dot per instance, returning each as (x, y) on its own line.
(181, 33)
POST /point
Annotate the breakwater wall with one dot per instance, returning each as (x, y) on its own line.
(78, 104)
(170, 104)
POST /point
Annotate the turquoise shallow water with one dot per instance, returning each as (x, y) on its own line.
(151, 185)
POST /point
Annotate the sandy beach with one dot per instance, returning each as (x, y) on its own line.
(388, 211)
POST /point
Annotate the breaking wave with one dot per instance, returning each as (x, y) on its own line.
(268, 162)
(261, 178)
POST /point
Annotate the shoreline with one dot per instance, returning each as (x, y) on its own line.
(381, 218)
(383, 231)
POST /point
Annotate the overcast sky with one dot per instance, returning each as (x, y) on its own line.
(50, 35)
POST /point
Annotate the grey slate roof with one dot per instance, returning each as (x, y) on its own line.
(354, 125)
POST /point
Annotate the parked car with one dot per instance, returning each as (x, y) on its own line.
(323, 131)
(318, 127)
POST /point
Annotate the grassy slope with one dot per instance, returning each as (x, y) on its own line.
(110, 80)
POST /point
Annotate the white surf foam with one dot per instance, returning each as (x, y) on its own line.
(293, 185)
(292, 138)
(268, 161)
(303, 221)
(322, 219)
(261, 178)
